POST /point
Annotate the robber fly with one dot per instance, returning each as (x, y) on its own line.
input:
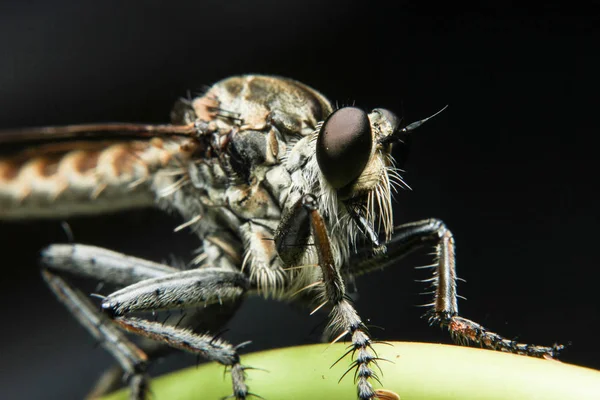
(289, 197)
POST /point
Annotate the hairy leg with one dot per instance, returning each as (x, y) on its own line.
(131, 360)
(444, 309)
(344, 317)
(155, 287)
(178, 291)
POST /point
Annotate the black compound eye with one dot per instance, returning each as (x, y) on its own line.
(344, 146)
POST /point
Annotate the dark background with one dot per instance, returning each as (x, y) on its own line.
(510, 166)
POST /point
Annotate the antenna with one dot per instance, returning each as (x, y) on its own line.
(396, 136)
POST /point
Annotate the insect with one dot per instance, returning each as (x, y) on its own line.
(289, 197)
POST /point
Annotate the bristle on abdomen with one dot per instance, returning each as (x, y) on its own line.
(62, 179)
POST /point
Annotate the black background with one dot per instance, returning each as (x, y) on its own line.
(510, 166)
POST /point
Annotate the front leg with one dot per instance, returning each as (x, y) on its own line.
(414, 235)
(344, 317)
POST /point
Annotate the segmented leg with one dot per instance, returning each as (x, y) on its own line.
(109, 381)
(156, 287)
(182, 290)
(206, 319)
(207, 346)
(411, 236)
(344, 317)
(101, 264)
(131, 360)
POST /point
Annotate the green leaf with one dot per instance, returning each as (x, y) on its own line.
(414, 371)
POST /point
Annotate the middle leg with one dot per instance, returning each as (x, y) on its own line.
(177, 291)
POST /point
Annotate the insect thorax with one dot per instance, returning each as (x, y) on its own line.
(255, 158)
(240, 181)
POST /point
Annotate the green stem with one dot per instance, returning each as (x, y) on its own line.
(414, 371)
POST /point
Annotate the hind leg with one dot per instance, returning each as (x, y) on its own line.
(156, 287)
(131, 360)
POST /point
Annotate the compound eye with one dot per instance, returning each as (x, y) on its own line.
(390, 117)
(344, 146)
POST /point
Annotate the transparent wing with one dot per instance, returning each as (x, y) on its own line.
(95, 131)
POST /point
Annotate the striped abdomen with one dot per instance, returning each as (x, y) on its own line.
(84, 177)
